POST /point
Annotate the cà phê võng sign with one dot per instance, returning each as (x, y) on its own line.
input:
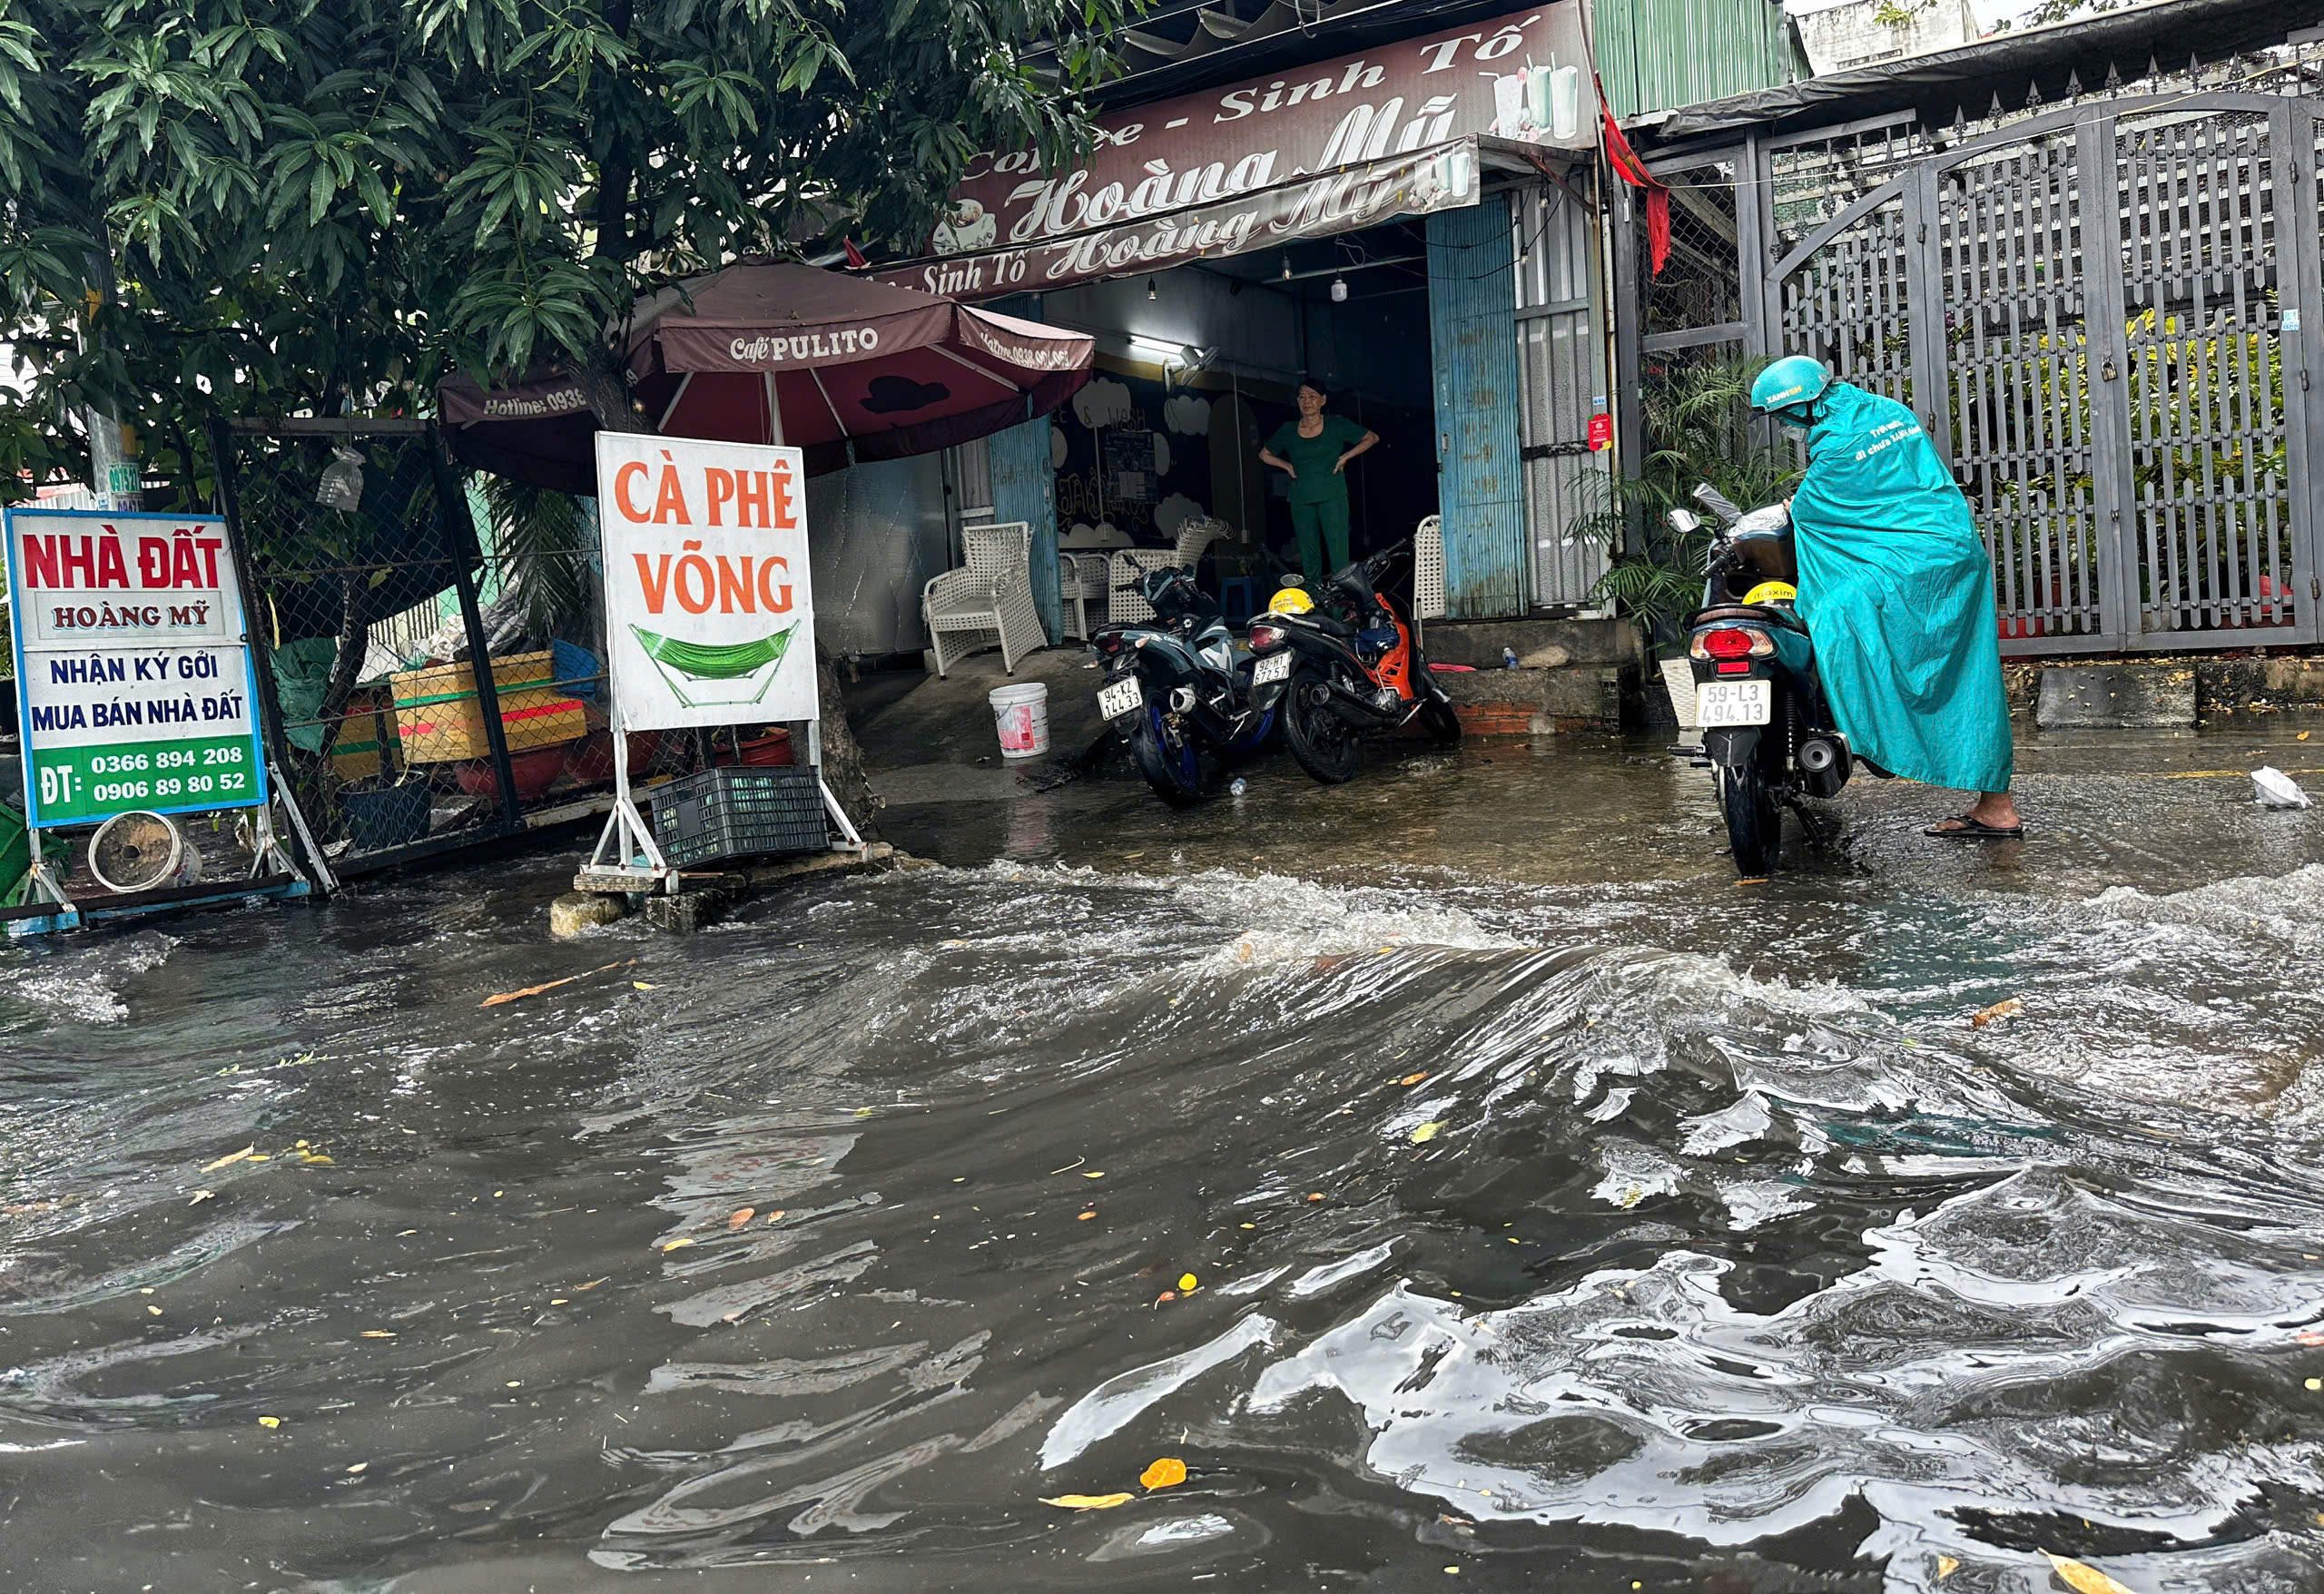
(709, 612)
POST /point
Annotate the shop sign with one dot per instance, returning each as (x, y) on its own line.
(134, 682)
(709, 616)
(1317, 150)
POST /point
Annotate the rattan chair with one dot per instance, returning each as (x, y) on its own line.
(987, 600)
(1130, 565)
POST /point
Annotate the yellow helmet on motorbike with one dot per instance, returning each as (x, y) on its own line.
(1771, 592)
(1291, 600)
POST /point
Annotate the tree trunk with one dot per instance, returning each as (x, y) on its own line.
(608, 394)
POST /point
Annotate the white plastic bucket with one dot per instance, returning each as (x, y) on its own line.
(1021, 715)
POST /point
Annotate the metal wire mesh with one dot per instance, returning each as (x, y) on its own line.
(374, 594)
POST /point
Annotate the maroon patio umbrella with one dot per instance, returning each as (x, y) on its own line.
(770, 351)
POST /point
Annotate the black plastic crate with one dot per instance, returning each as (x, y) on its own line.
(739, 811)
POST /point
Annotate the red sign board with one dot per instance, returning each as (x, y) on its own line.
(1320, 148)
(1602, 432)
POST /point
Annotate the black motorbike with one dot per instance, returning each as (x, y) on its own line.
(1348, 666)
(1768, 731)
(1178, 688)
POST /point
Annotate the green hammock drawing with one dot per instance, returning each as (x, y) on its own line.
(696, 662)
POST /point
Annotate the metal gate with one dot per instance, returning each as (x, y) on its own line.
(2108, 316)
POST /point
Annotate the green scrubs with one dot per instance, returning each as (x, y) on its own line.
(1318, 492)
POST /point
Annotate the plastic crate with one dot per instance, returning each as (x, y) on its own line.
(749, 810)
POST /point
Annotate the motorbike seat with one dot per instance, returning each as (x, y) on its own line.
(1756, 613)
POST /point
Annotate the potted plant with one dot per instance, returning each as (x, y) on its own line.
(1699, 429)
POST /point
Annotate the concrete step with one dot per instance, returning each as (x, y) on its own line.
(1539, 703)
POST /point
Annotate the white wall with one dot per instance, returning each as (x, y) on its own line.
(1256, 330)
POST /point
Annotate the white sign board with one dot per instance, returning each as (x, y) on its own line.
(133, 681)
(709, 615)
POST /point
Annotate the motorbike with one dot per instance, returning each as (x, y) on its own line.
(1343, 667)
(1177, 689)
(1767, 730)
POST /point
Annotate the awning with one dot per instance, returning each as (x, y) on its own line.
(1442, 177)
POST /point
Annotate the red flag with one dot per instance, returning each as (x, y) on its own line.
(1632, 171)
(856, 262)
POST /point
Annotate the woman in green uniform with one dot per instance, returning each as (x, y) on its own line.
(1313, 451)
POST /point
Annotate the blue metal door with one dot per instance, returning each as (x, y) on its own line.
(1481, 487)
(1024, 488)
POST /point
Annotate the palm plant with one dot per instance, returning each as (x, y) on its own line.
(1699, 429)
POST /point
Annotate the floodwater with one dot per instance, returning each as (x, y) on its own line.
(1561, 1215)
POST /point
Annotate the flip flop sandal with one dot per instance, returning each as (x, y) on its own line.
(1962, 828)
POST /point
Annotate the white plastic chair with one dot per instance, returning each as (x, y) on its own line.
(987, 600)
(1080, 578)
(1131, 565)
(1428, 570)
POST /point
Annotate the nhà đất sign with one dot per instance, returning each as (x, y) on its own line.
(134, 676)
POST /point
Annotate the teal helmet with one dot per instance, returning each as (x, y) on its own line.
(1787, 387)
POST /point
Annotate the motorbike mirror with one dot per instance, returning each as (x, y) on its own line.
(1684, 521)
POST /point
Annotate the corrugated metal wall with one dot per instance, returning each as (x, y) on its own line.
(1024, 488)
(1659, 55)
(1472, 332)
(1562, 365)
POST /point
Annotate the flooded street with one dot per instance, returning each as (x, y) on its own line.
(1560, 1215)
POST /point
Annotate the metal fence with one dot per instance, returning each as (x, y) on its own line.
(2106, 314)
(373, 596)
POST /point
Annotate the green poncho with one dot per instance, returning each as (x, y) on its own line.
(1897, 591)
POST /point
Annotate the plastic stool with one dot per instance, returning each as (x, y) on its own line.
(1238, 597)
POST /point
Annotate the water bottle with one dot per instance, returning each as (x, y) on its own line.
(1239, 787)
(1508, 658)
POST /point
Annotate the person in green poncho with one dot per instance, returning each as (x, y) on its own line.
(1313, 451)
(1898, 590)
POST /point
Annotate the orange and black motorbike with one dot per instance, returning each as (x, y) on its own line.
(1342, 664)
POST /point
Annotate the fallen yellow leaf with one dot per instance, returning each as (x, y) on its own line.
(1093, 1174)
(200, 1196)
(378, 1333)
(641, 985)
(269, 1422)
(1427, 1131)
(674, 1244)
(1946, 1567)
(1996, 1013)
(741, 1216)
(316, 1159)
(2316, 1383)
(1089, 1503)
(1412, 1079)
(229, 1160)
(2303, 736)
(1085, 1217)
(1315, 1196)
(2083, 1579)
(358, 1467)
(1165, 1473)
(775, 1216)
(1188, 1284)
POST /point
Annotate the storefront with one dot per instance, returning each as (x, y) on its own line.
(1413, 228)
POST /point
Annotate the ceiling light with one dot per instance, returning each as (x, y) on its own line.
(1287, 265)
(1149, 288)
(1155, 348)
(1339, 290)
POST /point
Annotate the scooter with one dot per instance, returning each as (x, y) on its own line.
(1344, 666)
(1177, 689)
(1767, 730)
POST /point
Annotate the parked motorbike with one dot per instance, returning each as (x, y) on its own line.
(1767, 730)
(1178, 688)
(1343, 664)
